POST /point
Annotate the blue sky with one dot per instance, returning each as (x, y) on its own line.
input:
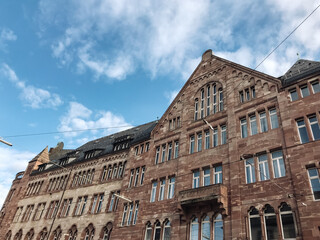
(78, 64)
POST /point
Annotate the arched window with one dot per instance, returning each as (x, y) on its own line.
(104, 173)
(43, 234)
(194, 229)
(84, 178)
(270, 220)
(157, 231)
(167, 230)
(107, 231)
(8, 235)
(89, 231)
(29, 235)
(92, 175)
(202, 104)
(205, 229)
(18, 235)
(88, 177)
(218, 227)
(57, 233)
(72, 233)
(287, 221)
(255, 224)
(148, 234)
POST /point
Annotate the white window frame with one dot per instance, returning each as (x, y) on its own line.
(161, 189)
(199, 142)
(196, 179)
(171, 185)
(153, 191)
(278, 166)
(251, 167)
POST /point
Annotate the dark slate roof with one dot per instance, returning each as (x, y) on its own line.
(106, 145)
(302, 68)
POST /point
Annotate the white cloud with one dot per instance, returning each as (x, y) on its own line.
(171, 95)
(11, 162)
(32, 96)
(6, 35)
(79, 117)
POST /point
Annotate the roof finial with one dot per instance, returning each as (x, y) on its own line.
(298, 55)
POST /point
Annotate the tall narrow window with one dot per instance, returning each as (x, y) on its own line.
(205, 228)
(194, 229)
(218, 227)
(196, 106)
(169, 151)
(215, 137)
(206, 177)
(263, 122)
(83, 205)
(192, 144)
(250, 170)
(142, 175)
(314, 182)
(130, 214)
(124, 215)
(253, 92)
(202, 104)
(163, 155)
(314, 127)
(171, 187)
(273, 118)
(109, 172)
(303, 134)
(293, 95)
(287, 222)
(199, 142)
(278, 164)
(217, 173)
(270, 222)
(263, 167)
(104, 173)
(315, 86)
(244, 128)
(131, 178)
(255, 224)
(220, 100)
(157, 155)
(304, 91)
(208, 100)
(94, 203)
(247, 92)
(157, 231)
(148, 231)
(153, 191)
(207, 139)
(135, 216)
(241, 95)
(161, 190)
(101, 197)
(167, 231)
(115, 169)
(136, 178)
(176, 149)
(196, 178)
(111, 202)
(214, 93)
(120, 172)
(223, 134)
(253, 125)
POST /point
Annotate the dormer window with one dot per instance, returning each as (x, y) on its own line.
(63, 161)
(91, 153)
(211, 101)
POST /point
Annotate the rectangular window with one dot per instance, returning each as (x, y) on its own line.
(278, 164)
(253, 124)
(147, 146)
(303, 134)
(169, 151)
(199, 142)
(111, 202)
(273, 118)
(250, 170)
(207, 140)
(131, 178)
(293, 94)
(157, 155)
(241, 96)
(130, 214)
(263, 122)
(136, 150)
(192, 144)
(215, 137)
(220, 100)
(176, 149)
(214, 93)
(314, 182)
(163, 155)
(247, 94)
(217, 174)
(223, 134)
(263, 167)
(244, 128)
(304, 91)
(94, 203)
(202, 104)
(124, 215)
(314, 125)
(171, 187)
(101, 197)
(142, 174)
(141, 148)
(315, 86)
(206, 177)
(136, 178)
(135, 213)
(196, 178)
(253, 92)
(153, 191)
(208, 100)
(161, 190)
(196, 109)
(83, 205)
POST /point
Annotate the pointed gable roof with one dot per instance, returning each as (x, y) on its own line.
(300, 69)
(43, 156)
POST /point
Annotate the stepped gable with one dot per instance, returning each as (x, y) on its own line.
(302, 68)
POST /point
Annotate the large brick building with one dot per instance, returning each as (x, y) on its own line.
(235, 156)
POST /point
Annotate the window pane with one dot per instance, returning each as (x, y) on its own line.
(253, 125)
(206, 230)
(263, 122)
(166, 234)
(316, 87)
(194, 229)
(314, 127)
(148, 234)
(273, 118)
(304, 138)
(157, 234)
(244, 131)
(304, 91)
(218, 230)
(271, 227)
(293, 95)
(288, 227)
(255, 227)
